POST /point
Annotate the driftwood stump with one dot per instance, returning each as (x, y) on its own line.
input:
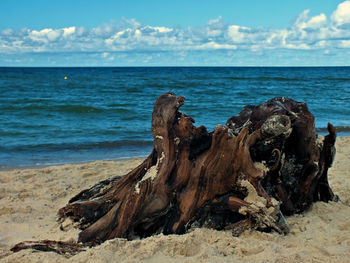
(265, 162)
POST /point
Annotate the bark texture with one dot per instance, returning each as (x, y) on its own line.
(264, 163)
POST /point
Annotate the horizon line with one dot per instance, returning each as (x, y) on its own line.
(177, 66)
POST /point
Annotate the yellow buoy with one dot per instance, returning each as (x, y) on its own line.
(65, 77)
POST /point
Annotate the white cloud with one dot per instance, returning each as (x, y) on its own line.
(344, 44)
(105, 54)
(301, 46)
(130, 23)
(69, 31)
(44, 35)
(7, 32)
(306, 33)
(108, 56)
(212, 46)
(163, 29)
(237, 34)
(317, 21)
(304, 26)
(342, 14)
(321, 44)
(215, 28)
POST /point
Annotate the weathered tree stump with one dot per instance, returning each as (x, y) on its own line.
(265, 162)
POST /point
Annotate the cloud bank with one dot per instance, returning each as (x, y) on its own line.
(307, 33)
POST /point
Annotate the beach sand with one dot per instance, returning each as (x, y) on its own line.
(30, 199)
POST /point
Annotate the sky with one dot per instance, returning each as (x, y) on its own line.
(174, 33)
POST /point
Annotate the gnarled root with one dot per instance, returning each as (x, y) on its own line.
(63, 248)
(265, 161)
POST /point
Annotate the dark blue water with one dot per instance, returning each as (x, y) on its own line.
(105, 113)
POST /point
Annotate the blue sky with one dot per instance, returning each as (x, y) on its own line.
(174, 33)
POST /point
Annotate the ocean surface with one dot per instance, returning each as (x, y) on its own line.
(67, 115)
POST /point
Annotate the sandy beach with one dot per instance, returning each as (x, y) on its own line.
(30, 199)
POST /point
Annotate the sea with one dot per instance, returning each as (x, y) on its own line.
(69, 115)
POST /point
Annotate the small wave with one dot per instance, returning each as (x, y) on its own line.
(80, 109)
(12, 133)
(279, 79)
(264, 78)
(335, 79)
(56, 108)
(238, 78)
(70, 109)
(77, 146)
(134, 90)
(345, 129)
(118, 105)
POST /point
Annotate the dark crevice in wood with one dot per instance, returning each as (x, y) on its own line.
(265, 162)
